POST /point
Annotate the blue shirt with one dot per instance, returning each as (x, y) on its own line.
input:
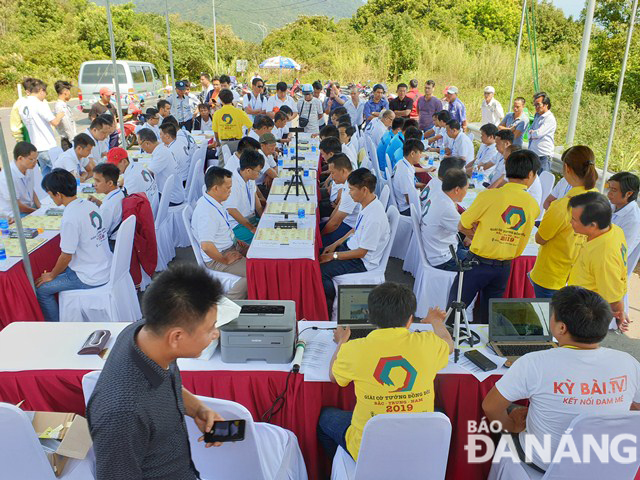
(334, 105)
(396, 143)
(382, 149)
(373, 107)
(458, 111)
(521, 123)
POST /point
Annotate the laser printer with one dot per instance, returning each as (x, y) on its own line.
(264, 330)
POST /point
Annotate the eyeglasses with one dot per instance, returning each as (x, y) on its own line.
(260, 86)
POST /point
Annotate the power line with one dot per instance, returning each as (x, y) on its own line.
(294, 4)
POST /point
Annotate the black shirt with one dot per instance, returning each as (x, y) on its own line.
(398, 105)
(136, 417)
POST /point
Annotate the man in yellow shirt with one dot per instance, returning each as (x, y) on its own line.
(392, 368)
(601, 265)
(228, 121)
(499, 221)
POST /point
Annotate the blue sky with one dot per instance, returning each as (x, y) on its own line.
(570, 7)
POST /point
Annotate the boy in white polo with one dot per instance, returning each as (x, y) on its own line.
(25, 157)
(211, 225)
(76, 159)
(404, 175)
(85, 259)
(178, 147)
(106, 182)
(162, 164)
(345, 215)
(461, 144)
(439, 223)
(435, 184)
(137, 179)
(362, 248)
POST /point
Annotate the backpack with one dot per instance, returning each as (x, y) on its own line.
(145, 248)
(262, 97)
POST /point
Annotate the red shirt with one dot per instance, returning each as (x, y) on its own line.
(414, 94)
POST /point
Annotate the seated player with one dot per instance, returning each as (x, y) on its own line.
(25, 156)
(345, 214)
(77, 158)
(136, 178)
(106, 182)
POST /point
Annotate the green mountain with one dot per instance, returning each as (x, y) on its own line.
(268, 14)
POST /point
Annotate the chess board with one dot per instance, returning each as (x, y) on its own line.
(285, 236)
(12, 245)
(282, 190)
(312, 163)
(290, 207)
(99, 196)
(289, 173)
(43, 222)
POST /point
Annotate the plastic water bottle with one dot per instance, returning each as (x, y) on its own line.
(4, 226)
(280, 162)
(314, 148)
(285, 152)
(3, 251)
(474, 175)
(480, 176)
(292, 152)
(442, 152)
(430, 161)
(301, 213)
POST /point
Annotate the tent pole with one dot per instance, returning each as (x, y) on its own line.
(515, 66)
(173, 78)
(115, 76)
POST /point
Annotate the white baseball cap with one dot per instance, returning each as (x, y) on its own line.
(452, 89)
(489, 89)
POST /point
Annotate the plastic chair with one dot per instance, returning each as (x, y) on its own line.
(547, 180)
(632, 262)
(402, 240)
(268, 452)
(164, 230)
(22, 456)
(373, 156)
(384, 197)
(227, 279)
(198, 153)
(420, 449)
(194, 192)
(54, 153)
(594, 426)
(226, 153)
(370, 277)
(116, 301)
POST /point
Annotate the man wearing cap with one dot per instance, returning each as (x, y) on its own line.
(310, 109)
(376, 103)
(402, 104)
(492, 111)
(181, 106)
(136, 178)
(456, 108)
(103, 105)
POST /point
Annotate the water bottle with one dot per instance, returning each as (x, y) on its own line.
(292, 152)
(4, 226)
(301, 213)
(474, 175)
(3, 251)
(442, 152)
(285, 152)
(480, 176)
(314, 148)
(430, 161)
(280, 162)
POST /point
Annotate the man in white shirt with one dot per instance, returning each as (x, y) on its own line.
(270, 169)
(255, 102)
(211, 225)
(106, 182)
(261, 125)
(39, 120)
(355, 107)
(623, 195)
(404, 175)
(243, 204)
(486, 156)
(67, 126)
(203, 122)
(85, 259)
(280, 129)
(246, 143)
(205, 82)
(162, 164)
(99, 133)
(137, 179)
(435, 184)
(181, 106)
(225, 84)
(440, 219)
(542, 131)
(152, 122)
(178, 148)
(492, 111)
(362, 248)
(310, 110)
(345, 214)
(76, 159)
(278, 100)
(25, 156)
(579, 378)
(346, 132)
(379, 126)
(462, 145)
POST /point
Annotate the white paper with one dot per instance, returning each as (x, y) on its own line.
(473, 369)
(317, 355)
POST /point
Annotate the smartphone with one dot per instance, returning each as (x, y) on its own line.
(226, 431)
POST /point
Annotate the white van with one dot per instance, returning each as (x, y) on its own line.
(135, 78)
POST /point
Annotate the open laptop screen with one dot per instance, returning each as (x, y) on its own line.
(519, 319)
(352, 304)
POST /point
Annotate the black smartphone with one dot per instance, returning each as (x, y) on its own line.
(480, 360)
(226, 431)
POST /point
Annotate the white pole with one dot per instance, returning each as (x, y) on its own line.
(623, 69)
(116, 82)
(215, 35)
(582, 65)
(515, 66)
(173, 79)
(19, 90)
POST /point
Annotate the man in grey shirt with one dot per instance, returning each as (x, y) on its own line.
(136, 412)
(516, 121)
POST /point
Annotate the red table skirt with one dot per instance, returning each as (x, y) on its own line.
(18, 301)
(519, 285)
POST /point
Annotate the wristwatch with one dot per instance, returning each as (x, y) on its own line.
(335, 255)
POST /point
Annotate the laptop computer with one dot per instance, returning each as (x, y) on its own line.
(353, 310)
(518, 326)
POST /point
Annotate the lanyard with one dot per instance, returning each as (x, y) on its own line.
(224, 217)
(248, 193)
(358, 222)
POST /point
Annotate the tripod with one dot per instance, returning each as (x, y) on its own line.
(459, 308)
(296, 178)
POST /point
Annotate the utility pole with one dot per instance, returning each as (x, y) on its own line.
(215, 35)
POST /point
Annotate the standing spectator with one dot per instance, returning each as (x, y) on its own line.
(67, 127)
(207, 87)
(103, 105)
(335, 99)
(355, 107)
(18, 129)
(164, 108)
(229, 121)
(414, 94)
(310, 111)
(203, 121)
(225, 83)
(623, 195)
(212, 96)
(193, 98)
(401, 105)
(543, 129)
(456, 108)
(376, 104)
(255, 102)
(492, 111)
(38, 118)
(181, 106)
(516, 121)
(427, 105)
(278, 100)
(318, 92)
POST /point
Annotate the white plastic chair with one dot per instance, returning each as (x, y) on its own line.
(632, 262)
(547, 181)
(37, 186)
(116, 301)
(403, 238)
(179, 234)
(198, 153)
(227, 279)
(420, 449)
(595, 426)
(268, 452)
(54, 153)
(370, 277)
(389, 182)
(22, 457)
(194, 192)
(384, 196)
(164, 230)
(226, 153)
(373, 156)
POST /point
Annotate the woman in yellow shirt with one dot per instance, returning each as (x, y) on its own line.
(559, 244)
